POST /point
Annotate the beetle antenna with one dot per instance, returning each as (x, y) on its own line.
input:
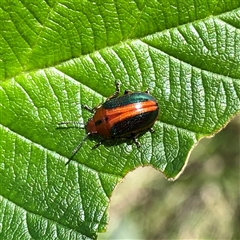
(73, 124)
(77, 148)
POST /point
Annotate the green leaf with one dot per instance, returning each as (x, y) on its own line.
(57, 55)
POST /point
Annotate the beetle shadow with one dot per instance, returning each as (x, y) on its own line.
(115, 141)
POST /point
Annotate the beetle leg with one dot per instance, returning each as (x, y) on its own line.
(151, 130)
(91, 110)
(127, 92)
(135, 140)
(117, 83)
(97, 144)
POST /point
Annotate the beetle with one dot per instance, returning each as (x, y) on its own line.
(124, 117)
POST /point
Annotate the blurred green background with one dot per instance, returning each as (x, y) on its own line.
(203, 203)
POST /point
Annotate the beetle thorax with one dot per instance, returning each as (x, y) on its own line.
(91, 127)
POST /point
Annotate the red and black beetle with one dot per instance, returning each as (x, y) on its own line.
(121, 117)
